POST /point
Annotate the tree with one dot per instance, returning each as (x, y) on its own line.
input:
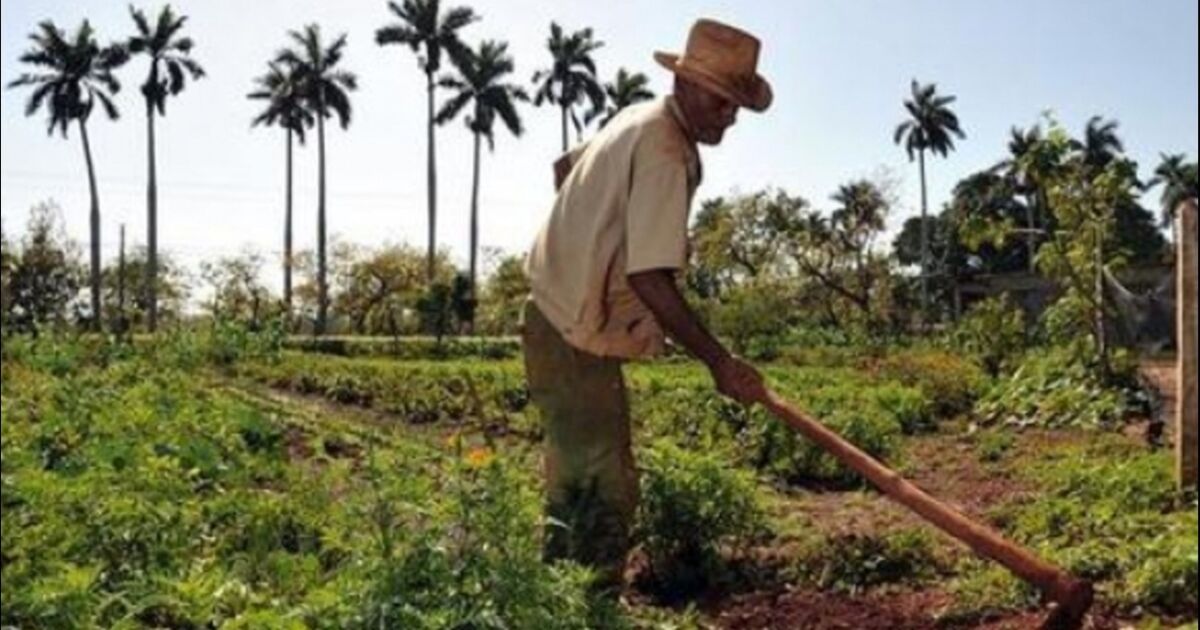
(170, 66)
(968, 244)
(72, 75)
(1101, 145)
(445, 307)
(738, 241)
(572, 80)
(325, 88)
(481, 85)
(1031, 163)
(46, 274)
(429, 32)
(628, 89)
(376, 287)
(837, 253)
(172, 291)
(8, 263)
(932, 127)
(237, 292)
(285, 108)
(1180, 183)
(503, 297)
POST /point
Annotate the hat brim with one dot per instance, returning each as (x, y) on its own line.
(755, 95)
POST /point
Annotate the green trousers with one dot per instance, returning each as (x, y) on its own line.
(591, 477)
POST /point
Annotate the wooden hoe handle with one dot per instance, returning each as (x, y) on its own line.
(1073, 597)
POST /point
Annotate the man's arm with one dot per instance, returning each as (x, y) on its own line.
(735, 378)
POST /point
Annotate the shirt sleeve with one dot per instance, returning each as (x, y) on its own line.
(657, 214)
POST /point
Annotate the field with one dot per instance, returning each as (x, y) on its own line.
(204, 482)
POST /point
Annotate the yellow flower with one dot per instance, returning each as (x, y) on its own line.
(479, 458)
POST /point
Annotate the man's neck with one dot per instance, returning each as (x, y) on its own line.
(684, 122)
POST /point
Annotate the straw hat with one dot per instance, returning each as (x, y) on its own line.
(725, 60)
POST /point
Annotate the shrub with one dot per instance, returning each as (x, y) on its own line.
(855, 563)
(993, 445)
(134, 495)
(411, 348)
(1111, 514)
(694, 508)
(419, 393)
(993, 334)
(682, 404)
(1054, 389)
(480, 565)
(950, 383)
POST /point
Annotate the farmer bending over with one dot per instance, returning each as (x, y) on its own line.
(603, 272)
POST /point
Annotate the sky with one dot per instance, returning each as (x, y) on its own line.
(840, 69)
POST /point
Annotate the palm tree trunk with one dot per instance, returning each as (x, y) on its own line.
(152, 225)
(94, 220)
(566, 137)
(121, 328)
(471, 293)
(924, 241)
(288, 254)
(1031, 239)
(431, 264)
(322, 262)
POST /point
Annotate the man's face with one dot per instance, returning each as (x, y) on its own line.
(709, 114)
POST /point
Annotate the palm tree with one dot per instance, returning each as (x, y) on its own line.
(1178, 179)
(572, 80)
(1026, 170)
(170, 66)
(628, 89)
(285, 108)
(481, 85)
(325, 91)
(932, 127)
(1101, 144)
(72, 76)
(426, 30)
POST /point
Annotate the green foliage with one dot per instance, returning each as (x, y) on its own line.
(237, 291)
(1110, 513)
(135, 494)
(853, 563)
(503, 298)
(44, 275)
(994, 334)
(419, 393)
(694, 509)
(754, 318)
(683, 404)
(411, 348)
(951, 384)
(993, 445)
(230, 343)
(480, 567)
(1055, 389)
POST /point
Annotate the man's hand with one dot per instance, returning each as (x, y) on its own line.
(739, 381)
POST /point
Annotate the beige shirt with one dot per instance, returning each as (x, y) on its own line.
(622, 210)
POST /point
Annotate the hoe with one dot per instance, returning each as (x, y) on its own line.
(1071, 598)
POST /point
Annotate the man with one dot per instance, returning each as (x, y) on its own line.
(603, 272)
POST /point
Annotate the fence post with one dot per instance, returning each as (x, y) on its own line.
(1185, 429)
